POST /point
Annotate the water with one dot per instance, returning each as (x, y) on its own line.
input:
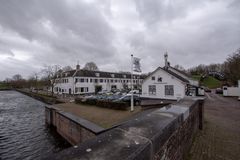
(23, 133)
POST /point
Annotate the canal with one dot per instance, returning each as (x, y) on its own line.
(23, 133)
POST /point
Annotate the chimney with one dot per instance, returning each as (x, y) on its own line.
(78, 66)
(166, 60)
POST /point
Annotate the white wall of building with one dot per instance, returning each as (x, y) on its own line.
(231, 91)
(89, 85)
(167, 79)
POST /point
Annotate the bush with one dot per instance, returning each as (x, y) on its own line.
(103, 103)
(85, 101)
(112, 105)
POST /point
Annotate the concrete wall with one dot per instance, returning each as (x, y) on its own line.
(162, 134)
(167, 79)
(73, 129)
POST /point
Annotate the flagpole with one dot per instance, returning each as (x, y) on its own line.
(132, 107)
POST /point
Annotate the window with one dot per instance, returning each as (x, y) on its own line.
(90, 80)
(159, 79)
(152, 90)
(101, 80)
(116, 80)
(81, 79)
(169, 91)
(111, 80)
(86, 80)
(96, 80)
(113, 87)
(82, 89)
(153, 78)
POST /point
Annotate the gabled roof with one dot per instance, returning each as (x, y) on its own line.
(171, 73)
(100, 74)
(185, 74)
(176, 75)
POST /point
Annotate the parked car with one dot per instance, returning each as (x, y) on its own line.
(127, 98)
(219, 91)
(113, 97)
(134, 92)
(206, 89)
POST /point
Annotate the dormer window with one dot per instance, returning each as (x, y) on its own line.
(124, 76)
(112, 75)
(97, 74)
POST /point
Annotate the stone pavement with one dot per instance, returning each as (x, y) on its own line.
(220, 138)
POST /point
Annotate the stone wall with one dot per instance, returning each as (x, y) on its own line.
(74, 129)
(163, 134)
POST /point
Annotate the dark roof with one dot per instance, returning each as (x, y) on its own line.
(176, 75)
(182, 72)
(102, 74)
(171, 73)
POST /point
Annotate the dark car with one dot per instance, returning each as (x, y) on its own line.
(127, 98)
(206, 89)
(219, 91)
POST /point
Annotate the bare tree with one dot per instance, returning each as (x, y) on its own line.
(51, 74)
(232, 67)
(91, 66)
(179, 67)
(67, 68)
(17, 77)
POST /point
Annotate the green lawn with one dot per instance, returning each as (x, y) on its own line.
(209, 81)
(3, 86)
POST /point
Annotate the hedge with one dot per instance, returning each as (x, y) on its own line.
(103, 103)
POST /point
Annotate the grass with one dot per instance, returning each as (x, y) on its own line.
(103, 117)
(209, 81)
(4, 86)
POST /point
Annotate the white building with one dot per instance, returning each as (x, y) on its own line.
(81, 81)
(232, 91)
(168, 83)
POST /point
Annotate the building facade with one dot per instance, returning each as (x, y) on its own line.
(168, 83)
(82, 81)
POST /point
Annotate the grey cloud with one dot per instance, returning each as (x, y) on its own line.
(154, 11)
(80, 20)
(107, 32)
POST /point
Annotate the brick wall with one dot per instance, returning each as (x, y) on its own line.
(73, 129)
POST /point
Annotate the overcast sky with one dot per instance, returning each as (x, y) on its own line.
(34, 33)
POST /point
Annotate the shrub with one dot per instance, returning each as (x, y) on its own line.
(112, 105)
(85, 101)
(103, 103)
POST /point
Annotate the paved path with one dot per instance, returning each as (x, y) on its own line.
(220, 138)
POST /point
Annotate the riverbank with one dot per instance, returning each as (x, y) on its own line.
(41, 97)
